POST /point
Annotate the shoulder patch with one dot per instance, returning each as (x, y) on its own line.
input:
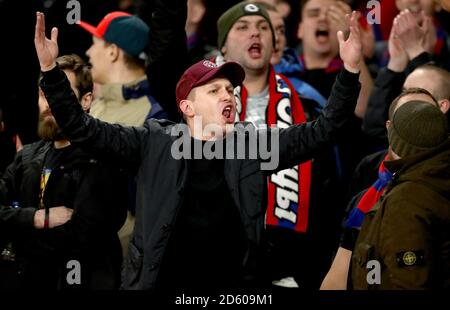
(410, 258)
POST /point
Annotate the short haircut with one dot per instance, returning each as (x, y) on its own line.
(410, 91)
(131, 62)
(81, 70)
(443, 81)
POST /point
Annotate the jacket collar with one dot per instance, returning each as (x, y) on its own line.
(123, 92)
(403, 164)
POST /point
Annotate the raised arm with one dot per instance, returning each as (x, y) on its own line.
(388, 85)
(123, 143)
(300, 142)
(405, 54)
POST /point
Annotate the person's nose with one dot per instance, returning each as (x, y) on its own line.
(88, 51)
(255, 31)
(226, 96)
(323, 15)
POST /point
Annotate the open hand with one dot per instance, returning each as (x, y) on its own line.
(430, 40)
(398, 58)
(410, 34)
(47, 50)
(350, 50)
(336, 16)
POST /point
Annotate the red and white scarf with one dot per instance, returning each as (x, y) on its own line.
(289, 189)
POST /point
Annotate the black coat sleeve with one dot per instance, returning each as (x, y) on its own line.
(12, 220)
(99, 212)
(299, 143)
(124, 144)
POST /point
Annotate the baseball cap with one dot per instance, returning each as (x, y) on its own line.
(204, 71)
(127, 31)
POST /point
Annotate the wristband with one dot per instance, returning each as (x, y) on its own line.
(46, 220)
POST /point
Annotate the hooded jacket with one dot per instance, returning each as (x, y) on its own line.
(408, 232)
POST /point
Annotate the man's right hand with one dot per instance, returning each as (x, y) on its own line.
(350, 50)
(47, 50)
(57, 216)
(398, 58)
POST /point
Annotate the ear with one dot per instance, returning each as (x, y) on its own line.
(187, 108)
(388, 123)
(300, 31)
(444, 105)
(113, 52)
(223, 50)
(86, 101)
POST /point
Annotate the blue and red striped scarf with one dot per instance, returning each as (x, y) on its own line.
(370, 198)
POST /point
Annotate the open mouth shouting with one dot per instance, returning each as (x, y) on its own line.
(228, 113)
(255, 50)
(322, 35)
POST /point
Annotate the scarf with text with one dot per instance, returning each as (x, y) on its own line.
(289, 189)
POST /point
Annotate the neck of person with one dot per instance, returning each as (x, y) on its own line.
(205, 134)
(314, 60)
(60, 144)
(122, 75)
(256, 81)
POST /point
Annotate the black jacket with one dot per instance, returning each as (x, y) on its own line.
(81, 183)
(161, 178)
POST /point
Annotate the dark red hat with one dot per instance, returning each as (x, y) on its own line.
(204, 71)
